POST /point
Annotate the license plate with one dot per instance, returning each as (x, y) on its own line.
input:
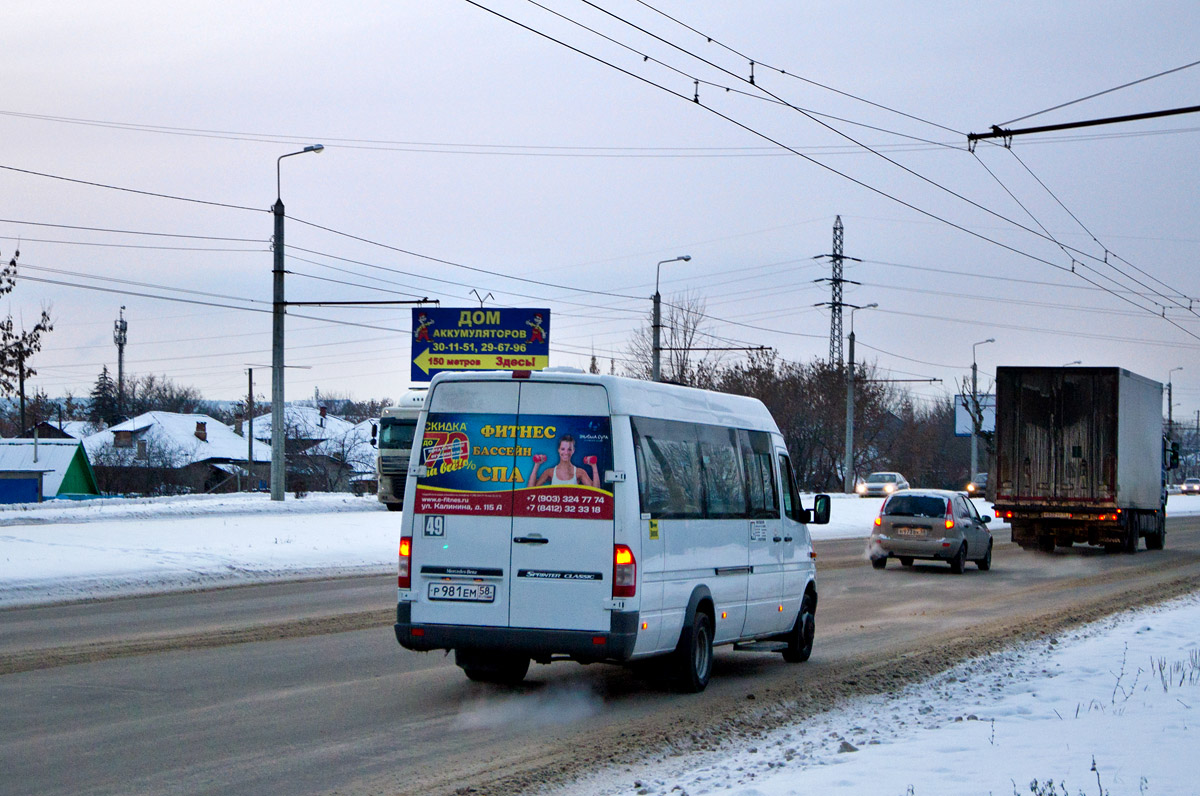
(463, 592)
(1056, 515)
(910, 531)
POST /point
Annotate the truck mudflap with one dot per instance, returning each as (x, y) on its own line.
(581, 645)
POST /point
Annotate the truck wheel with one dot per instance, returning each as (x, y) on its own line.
(800, 639)
(985, 563)
(483, 667)
(394, 506)
(906, 561)
(960, 559)
(1158, 539)
(879, 562)
(694, 654)
(1131, 536)
(1046, 543)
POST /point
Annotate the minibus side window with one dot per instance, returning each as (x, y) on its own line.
(724, 483)
(791, 498)
(669, 469)
(760, 477)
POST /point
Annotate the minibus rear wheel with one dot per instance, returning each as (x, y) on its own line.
(490, 667)
(694, 654)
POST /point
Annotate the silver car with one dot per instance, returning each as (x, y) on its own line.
(933, 524)
(1190, 486)
(881, 485)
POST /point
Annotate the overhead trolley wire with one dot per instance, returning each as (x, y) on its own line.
(854, 180)
(795, 76)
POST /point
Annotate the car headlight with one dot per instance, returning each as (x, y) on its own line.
(861, 488)
(970, 487)
(889, 488)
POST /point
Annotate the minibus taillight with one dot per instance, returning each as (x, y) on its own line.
(624, 572)
(404, 581)
(949, 515)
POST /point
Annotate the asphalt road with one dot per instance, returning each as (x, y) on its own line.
(301, 688)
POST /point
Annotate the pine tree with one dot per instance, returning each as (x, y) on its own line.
(104, 400)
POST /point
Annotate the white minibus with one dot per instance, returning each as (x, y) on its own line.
(553, 516)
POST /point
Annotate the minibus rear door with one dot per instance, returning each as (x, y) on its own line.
(562, 525)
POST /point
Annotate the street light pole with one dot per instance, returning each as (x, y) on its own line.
(656, 355)
(975, 411)
(848, 461)
(1171, 403)
(278, 472)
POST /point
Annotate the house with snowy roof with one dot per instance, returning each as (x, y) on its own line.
(171, 453)
(66, 429)
(323, 452)
(33, 470)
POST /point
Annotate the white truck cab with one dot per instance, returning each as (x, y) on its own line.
(598, 518)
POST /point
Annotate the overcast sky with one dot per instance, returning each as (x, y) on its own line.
(466, 153)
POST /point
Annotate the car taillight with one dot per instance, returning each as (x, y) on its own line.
(404, 571)
(949, 515)
(624, 572)
(879, 520)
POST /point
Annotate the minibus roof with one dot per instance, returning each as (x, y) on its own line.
(639, 398)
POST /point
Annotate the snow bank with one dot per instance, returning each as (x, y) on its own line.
(1105, 709)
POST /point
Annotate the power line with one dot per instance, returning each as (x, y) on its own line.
(1100, 93)
(132, 190)
(1044, 234)
(131, 231)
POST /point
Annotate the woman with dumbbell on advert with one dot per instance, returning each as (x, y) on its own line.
(565, 473)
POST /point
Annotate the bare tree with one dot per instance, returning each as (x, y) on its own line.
(18, 346)
(683, 327)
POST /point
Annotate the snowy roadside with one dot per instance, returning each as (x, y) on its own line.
(1105, 709)
(58, 551)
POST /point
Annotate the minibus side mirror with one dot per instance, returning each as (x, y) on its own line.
(374, 434)
(820, 510)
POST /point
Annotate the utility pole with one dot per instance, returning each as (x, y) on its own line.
(848, 464)
(848, 461)
(120, 327)
(976, 411)
(21, 381)
(250, 429)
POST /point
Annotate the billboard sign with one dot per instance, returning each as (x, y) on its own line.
(962, 417)
(480, 339)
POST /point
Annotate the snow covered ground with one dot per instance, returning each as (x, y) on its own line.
(65, 550)
(1103, 711)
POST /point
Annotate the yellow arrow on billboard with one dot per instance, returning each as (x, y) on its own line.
(427, 361)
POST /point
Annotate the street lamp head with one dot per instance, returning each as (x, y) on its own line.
(315, 148)
(658, 268)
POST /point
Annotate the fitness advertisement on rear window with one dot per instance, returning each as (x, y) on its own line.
(527, 466)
